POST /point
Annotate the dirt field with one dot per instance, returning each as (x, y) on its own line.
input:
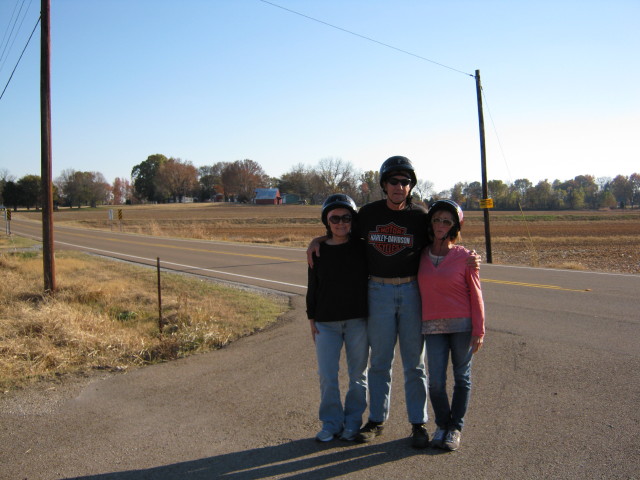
(607, 241)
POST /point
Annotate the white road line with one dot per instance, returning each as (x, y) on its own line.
(152, 260)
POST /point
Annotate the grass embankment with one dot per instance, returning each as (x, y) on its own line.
(104, 316)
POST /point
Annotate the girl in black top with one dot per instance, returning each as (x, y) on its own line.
(337, 311)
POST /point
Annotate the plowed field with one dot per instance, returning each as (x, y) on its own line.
(607, 241)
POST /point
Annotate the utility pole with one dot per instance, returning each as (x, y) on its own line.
(485, 203)
(45, 148)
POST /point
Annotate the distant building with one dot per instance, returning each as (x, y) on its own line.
(291, 199)
(267, 196)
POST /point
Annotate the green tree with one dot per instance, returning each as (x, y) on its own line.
(144, 178)
(622, 189)
(587, 183)
(634, 180)
(297, 181)
(499, 192)
(520, 189)
(370, 190)
(457, 193)
(473, 194)
(11, 194)
(607, 200)
(30, 187)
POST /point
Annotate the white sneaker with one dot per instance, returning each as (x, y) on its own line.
(348, 435)
(452, 440)
(324, 436)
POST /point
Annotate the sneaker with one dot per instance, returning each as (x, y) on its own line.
(452, 440)
(370, 431)
(348, 435)
(419, 436)
(438, 438)
(324, 436)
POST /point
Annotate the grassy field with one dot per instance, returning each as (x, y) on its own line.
(105, 316)
(604, 240)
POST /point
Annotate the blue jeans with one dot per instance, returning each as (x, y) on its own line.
(449, 416)
(353, 334)
(395, 313)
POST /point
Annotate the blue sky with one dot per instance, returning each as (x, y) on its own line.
(222, 80)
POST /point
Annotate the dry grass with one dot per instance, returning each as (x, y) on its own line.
(105, 316)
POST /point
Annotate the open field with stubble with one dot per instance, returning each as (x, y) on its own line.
(604, 240)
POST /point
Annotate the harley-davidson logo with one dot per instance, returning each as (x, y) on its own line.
(390, 239)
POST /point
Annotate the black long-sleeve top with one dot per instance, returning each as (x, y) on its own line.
(337, 286)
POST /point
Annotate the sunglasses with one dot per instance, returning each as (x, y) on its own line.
(402, 181)
(444, 221)
(336, 219)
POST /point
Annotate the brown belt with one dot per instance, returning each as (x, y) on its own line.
(392, 280)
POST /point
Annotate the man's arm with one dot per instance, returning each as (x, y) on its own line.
(314, 247)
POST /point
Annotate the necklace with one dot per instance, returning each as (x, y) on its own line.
(435, 259)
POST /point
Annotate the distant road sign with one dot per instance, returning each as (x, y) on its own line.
(486, 203)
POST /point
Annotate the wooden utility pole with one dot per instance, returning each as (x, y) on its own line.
(45, 148)
(483, 159)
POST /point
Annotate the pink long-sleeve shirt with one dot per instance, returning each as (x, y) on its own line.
(452, 289)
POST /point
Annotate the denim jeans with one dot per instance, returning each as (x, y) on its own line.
(353, 334)
(439, 346)
(395, 313)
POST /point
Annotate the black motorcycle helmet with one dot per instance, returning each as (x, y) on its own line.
(397, 164)
(337, 200)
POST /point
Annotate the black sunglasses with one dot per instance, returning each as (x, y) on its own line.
(402, 181)
(336, 219)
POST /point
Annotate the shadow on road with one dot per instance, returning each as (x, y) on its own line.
(300, 459)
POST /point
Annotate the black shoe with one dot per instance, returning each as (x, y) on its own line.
(419, 435)
(370, 431)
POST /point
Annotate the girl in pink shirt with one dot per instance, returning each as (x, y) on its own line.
(452, 319)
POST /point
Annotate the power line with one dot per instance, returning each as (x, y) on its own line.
(18, 62)
(368, 38)
(6, 49)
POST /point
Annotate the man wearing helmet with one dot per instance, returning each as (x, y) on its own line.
(395, 230)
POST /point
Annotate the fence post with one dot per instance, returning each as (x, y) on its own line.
(159, 297)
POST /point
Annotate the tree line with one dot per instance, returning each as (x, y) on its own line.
(161, 179)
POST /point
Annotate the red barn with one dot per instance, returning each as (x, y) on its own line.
(267, 196)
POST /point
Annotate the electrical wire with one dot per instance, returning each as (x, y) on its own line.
(5, 50)
(18, 62)
(533, 250)
(367, 38)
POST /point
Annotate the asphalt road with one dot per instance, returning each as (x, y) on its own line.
(555, 394)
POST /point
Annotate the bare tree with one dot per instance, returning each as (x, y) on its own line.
(337, 176)
(423, 190)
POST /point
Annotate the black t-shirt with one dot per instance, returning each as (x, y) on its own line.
(394, 238)
(337, 287)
